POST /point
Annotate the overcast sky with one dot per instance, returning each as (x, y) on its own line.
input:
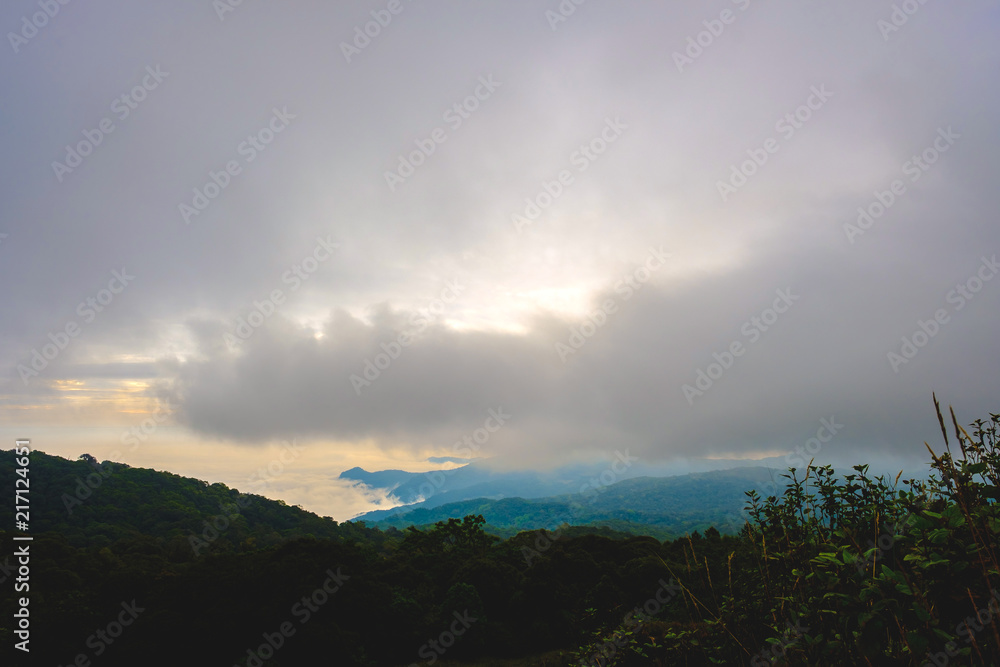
(569, 213)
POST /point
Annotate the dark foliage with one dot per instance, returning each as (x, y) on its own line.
(851, 570)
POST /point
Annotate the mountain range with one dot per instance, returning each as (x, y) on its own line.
(510, 502)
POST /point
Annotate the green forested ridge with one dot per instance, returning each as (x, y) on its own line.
(96, 504)
(663, 507)
(835, 570)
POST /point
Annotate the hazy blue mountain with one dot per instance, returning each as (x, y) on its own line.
(383, 479)
(674, 505)
(476, 480)
(413, 487)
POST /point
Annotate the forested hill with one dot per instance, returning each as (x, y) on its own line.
(833, 570)
(660, 506)
(95, 504)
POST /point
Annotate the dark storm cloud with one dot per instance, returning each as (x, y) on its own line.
(193, 99)
(825, 357)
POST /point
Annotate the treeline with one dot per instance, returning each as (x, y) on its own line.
(835, 570)
(97, 504)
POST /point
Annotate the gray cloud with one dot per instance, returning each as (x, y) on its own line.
(656, 185)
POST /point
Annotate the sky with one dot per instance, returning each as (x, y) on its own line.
(374, 233)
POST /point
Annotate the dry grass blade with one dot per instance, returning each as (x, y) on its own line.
(958, 431)
(944, 431)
